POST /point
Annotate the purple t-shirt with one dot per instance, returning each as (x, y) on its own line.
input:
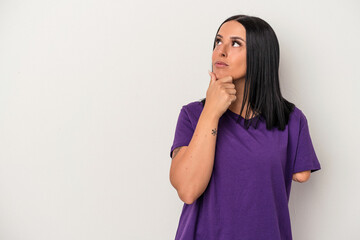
(248, 192)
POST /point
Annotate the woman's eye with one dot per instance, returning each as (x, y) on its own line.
(237, 43)
(218, 40)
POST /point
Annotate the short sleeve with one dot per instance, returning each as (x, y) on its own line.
(305, 157)
(183, 132)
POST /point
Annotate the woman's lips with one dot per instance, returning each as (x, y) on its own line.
(220, 65)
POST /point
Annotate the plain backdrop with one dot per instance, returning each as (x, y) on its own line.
(90, 92)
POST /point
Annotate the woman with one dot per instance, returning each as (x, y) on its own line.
(235, 179)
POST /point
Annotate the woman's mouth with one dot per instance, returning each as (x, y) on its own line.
(220, 64)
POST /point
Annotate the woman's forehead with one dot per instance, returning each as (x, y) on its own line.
(231, 29)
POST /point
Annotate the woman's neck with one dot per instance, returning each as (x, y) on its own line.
(236, 105)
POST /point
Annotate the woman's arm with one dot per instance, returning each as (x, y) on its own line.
(302, 176)
(192, 165)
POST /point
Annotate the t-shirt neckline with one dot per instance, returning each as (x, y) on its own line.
(237, 116)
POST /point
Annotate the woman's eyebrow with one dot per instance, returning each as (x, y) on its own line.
(232, 37)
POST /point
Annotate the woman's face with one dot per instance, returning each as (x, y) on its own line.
(230, 48)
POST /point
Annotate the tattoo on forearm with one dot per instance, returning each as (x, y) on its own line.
(176, 150)
(214, 131)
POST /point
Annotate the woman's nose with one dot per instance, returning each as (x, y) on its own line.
(222, 51)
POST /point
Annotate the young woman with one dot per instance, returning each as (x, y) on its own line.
(234, 172)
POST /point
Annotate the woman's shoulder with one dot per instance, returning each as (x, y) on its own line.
(297, 116)
(193, 108)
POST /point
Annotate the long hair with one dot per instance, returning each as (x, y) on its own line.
(262, 74)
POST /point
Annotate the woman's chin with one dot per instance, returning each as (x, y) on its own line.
(221, 74)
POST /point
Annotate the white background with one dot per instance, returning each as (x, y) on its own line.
(90, 92)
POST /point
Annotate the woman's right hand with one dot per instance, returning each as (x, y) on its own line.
(220, 94)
